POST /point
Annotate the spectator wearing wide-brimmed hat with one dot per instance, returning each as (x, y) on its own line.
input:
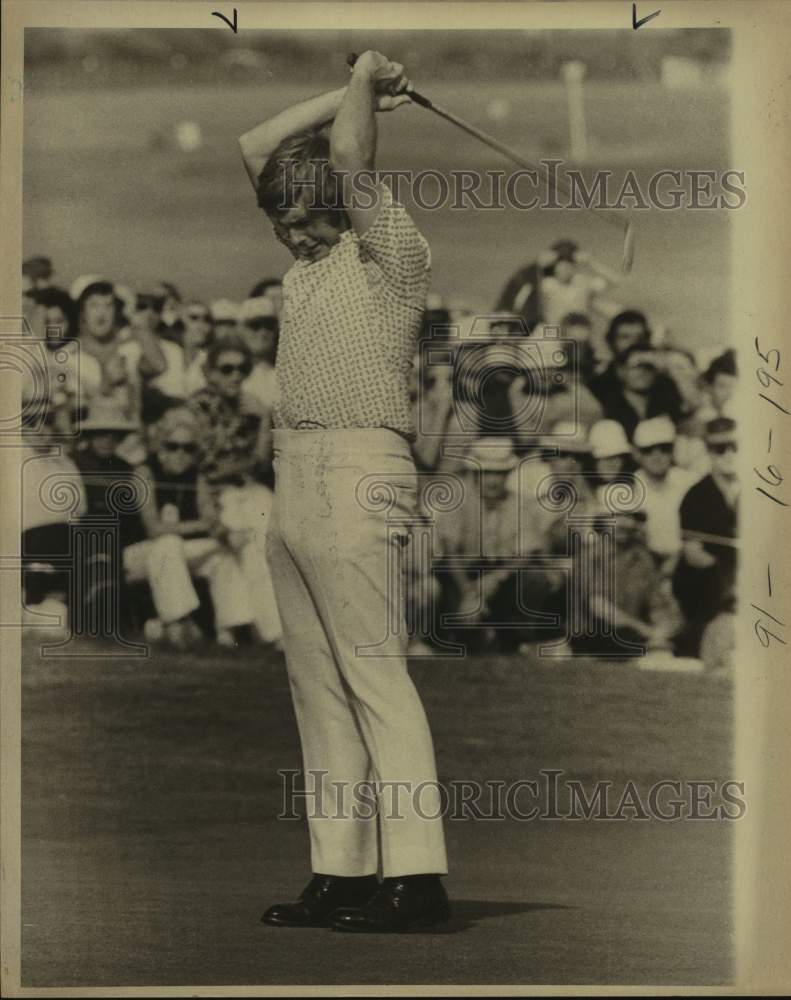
(612, 454)
(104, 471)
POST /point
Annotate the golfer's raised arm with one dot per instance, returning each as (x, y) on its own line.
(377, 84)
(257, 144)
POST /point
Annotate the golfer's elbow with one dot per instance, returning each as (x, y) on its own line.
(349, 152)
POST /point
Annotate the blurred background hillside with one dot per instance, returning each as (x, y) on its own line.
(132, 167)
(70, 58)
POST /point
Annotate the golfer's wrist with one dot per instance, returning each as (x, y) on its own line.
(364, 69)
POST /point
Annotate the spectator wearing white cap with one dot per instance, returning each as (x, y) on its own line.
(665, 485)
(487, 528)
(225, 316)
(612, 454)
(260, 327)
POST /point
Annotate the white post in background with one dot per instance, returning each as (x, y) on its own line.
(573, 75)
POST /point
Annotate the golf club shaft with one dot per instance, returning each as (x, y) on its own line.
(502, 148)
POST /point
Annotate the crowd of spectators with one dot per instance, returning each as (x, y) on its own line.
(561, 388)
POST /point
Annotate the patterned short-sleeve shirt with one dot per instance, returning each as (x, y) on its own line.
(350, 325)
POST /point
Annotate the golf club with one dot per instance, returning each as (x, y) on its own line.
(626, 227)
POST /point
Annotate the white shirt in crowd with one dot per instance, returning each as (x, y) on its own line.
(662, 509)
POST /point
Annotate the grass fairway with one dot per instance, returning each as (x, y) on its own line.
(101, 199)
(151, 847)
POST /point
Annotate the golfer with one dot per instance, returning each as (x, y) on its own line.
(352, 308)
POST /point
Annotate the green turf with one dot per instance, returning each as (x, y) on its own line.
(150, 844)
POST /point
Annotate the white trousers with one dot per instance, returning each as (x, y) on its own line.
(248, 509)
(168, 562)
(334, 549)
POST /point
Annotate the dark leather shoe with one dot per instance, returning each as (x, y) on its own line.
(400, 904)
(319, 899)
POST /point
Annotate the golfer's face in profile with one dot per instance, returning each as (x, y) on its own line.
(309, 234)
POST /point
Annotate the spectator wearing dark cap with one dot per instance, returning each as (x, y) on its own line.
(705, 578)
(720, 384)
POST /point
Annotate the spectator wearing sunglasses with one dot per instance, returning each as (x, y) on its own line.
(235, 455)
(665, 486)
(179, 543)
(704, 579)
(641, 391)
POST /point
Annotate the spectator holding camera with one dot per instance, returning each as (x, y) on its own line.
(123, 362)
